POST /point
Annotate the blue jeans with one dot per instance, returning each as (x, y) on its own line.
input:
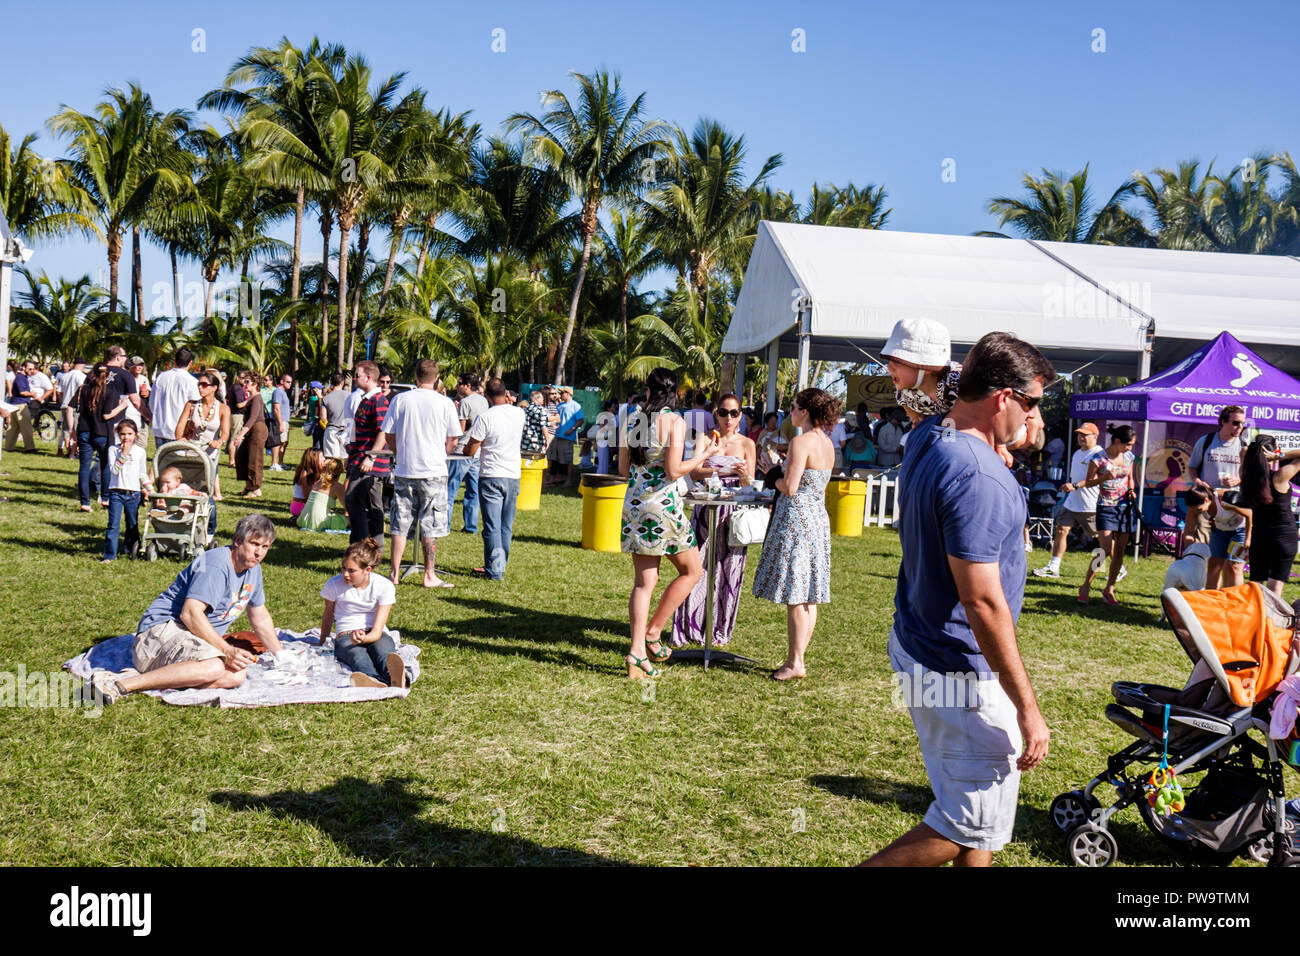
(121, 503)
(90, 477)
(498, 503)
(463, 470)
(369, 659)
(1220, 540)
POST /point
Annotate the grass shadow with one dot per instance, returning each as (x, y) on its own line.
(380, 823)
(908, 797)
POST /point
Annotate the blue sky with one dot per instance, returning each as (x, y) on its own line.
(884, 93)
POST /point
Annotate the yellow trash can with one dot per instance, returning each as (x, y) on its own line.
(846, 502)
(602, 512)
(530, 485)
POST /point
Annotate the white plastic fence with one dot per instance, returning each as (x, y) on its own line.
(882, 498)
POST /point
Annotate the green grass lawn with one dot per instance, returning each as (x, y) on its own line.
(523, 742)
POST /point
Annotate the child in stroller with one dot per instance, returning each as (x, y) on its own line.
(1242, 643)
(181, 519)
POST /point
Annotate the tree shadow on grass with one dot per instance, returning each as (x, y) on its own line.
(503, 627)
(380, 823)
(1097, 612)
(542, 539)
(908, 797)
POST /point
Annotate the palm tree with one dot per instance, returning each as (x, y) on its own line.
(1241, 215)
(600, 147)
(1057, 209)
(627, 253)
(38, 198)
(279, 95)
(111, 162)
(1177, 200)
(705, 216)
(60, 318)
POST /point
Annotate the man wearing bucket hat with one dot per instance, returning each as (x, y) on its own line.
(1080, 506)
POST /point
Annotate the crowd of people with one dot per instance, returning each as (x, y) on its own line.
(382, 455)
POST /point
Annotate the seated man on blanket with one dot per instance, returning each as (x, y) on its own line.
(178, 642)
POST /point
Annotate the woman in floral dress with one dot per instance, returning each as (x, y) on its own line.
(795, 567)
(655, 523)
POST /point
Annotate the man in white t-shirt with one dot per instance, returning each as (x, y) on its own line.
(1080, 506)
(496, 436)
(421, 429)
(171, 391)
(1216, 460)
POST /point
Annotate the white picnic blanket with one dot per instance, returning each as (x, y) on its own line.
(303, 673)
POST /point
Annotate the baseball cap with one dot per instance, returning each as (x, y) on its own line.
(1088, 428)
(315, 384)
(564, 389)
(137, 360)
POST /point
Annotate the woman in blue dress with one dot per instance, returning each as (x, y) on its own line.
(795, 566)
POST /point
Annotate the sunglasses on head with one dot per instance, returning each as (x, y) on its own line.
(729, 412)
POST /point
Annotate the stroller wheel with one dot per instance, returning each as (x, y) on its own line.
(1261, 850)
(1071, 809)
(151, 552)
(1091, 845)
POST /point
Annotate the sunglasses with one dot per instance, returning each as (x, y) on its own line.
(385, 381)
(1029, 403)
(1237, 424)
(729, 412)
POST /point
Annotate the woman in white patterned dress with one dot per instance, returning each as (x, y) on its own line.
(795, 566)
(655, 523)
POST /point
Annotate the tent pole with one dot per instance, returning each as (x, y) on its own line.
(740, 378)
(1144, 357)
(805, 346)
(1142, 485)
(773, 357)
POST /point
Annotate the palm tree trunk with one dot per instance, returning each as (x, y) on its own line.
(326, 227)
(137, 277)
(587, 234)
(363, 242)
(622, 308)
(114, 254)
(295, 280)
(424, 251)
(395, 231)
(295, 270)
(176, 284)
(345, 230)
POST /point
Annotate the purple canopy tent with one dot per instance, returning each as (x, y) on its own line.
(1221, 372)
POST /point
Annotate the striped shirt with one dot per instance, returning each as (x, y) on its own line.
(365, 428)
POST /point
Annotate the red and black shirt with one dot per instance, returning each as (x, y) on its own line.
(365, 429)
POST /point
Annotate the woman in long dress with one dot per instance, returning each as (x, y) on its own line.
(654, 517)
(734, 466)
(795, 566)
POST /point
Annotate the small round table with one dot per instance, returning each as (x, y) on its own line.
(707, 653)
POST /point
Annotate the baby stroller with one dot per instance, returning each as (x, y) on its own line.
(1242, 643)
(183, 529)
(1042, 509)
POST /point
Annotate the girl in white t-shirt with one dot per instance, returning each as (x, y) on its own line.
(357, 604)
(128, 469)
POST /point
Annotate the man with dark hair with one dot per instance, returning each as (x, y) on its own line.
(463, 467)
(27, 397)
(281, 410)
(121, 384)
(1216, 460)
(420, 429)
(172, 389)
(960, 587)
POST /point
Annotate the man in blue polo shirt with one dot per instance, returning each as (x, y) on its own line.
(179, 641)
(560, 453)
(960, 587)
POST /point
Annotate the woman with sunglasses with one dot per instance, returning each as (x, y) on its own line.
(1116, 512)
(207, 423)
(733, 464)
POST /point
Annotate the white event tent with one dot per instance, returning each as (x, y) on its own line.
(823, 292)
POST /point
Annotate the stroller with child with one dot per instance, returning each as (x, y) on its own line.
(180, 526)
(1203, 783)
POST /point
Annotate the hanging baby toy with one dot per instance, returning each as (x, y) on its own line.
(1163, 790)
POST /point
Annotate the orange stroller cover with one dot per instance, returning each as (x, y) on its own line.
(1243, 628)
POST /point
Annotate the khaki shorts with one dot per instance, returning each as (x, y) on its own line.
(1077, 519)
(169, 643)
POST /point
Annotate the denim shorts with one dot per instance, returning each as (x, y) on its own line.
(1118, 517)
(1219, 541)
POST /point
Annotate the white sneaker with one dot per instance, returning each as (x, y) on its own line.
(1123, 573)
(1047, 571)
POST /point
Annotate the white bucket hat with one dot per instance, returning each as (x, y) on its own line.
(922, 342)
